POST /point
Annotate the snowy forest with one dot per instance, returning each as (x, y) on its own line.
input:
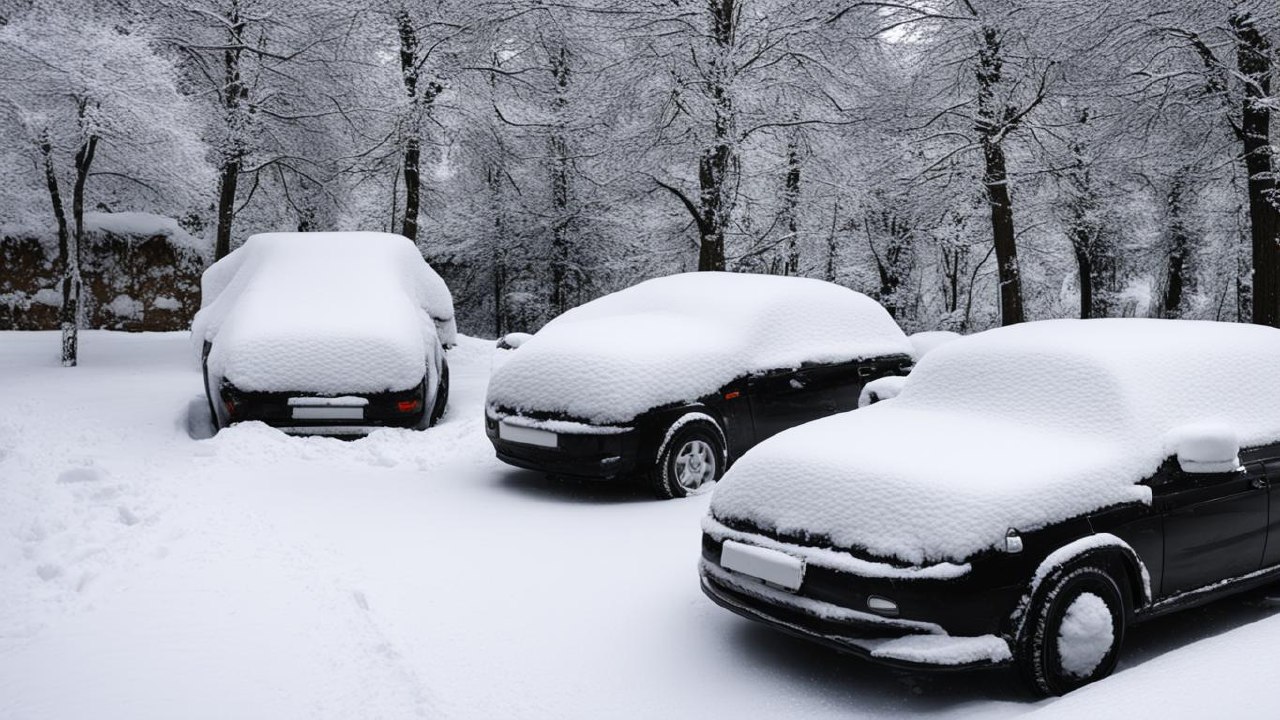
(968, 163)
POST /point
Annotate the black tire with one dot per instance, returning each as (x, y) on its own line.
(442, 395)
(1040, 649)
(697, 442)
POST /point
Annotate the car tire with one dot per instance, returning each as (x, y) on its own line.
(689, 461)
(1074, 629)
(442, 395)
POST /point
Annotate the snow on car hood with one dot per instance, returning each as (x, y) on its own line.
(1013, 428)
(681, 337)
(322, 312)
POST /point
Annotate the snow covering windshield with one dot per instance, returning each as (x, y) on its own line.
(1017, 428)
(678, 338)
(349, 312)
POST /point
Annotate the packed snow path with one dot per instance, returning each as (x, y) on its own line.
(144, 574)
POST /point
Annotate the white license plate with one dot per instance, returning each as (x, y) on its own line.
(328, 413)
(527, 435)
(776, 568)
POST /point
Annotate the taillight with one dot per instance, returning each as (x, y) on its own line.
(230, 405)
(408, 406)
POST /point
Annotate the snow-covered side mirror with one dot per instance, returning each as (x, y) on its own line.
(1207, 448)
(511, 341)
(881, 389)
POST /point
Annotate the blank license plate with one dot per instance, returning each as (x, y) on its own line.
(528, 436)
(328, 412)
(776, 568)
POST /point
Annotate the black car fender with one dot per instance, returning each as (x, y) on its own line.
(663, 425)
(1111, 550)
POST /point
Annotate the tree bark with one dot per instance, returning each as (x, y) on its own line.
(995, 180)
(561, 215)
(412, 147)
(719, 159)
(791, 207)
(234, 94)
(1177, 278)
(68, 261)
(1254, 62)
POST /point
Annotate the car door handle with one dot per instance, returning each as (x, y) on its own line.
(1258, 483)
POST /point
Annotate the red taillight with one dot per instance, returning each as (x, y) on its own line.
(733, 395)
(230, 405)
(408, 406)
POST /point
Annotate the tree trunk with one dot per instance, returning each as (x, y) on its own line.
(412, 146)
(719, 159)
(1084, 270)
(71, 288)
(561, 214)
(791, 207)
(234, 93)
(995, 179)
(1177, 278)
(1254, 62)
(68, 261)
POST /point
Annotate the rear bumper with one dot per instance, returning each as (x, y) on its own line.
(394, 409)
(888, 642)
(603, 456)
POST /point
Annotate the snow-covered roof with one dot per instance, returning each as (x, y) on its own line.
(1012, 428)
(681, 337)
(323, 312)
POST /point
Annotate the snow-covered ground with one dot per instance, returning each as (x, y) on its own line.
(144, 574)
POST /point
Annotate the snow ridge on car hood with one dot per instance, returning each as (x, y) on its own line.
(1014, 428)
(921, 486)
(678, 338)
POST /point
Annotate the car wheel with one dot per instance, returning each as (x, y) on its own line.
(1074, 629)
(442, 394)
(690, 461)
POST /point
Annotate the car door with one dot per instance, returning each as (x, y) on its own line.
(784, 399)
(1215, 526)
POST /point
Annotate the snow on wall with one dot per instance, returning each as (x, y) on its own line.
(680, 337)
(143, 224)
(1017, 427)
(323, 312)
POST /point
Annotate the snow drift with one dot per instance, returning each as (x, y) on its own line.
(323, 312)
(1012, 428)
(680, 337)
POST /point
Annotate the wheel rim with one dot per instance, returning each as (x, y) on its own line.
(1086, 636)
(695, 464)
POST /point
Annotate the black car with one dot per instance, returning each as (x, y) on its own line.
(673, 379)
(1032, 493)
(325, 333)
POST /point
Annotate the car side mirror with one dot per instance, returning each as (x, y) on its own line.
(511, 341)
(1207, 448)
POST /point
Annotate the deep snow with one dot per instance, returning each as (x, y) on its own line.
(147, 575)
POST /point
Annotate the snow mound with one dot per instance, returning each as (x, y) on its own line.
(1012, 428)
(924, 342)
(678, 338)
(323, 312)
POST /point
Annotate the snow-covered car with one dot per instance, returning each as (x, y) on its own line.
(674, 378)
(1031, 493)
(326, 333)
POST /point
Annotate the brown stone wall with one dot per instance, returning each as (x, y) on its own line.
(131, 282)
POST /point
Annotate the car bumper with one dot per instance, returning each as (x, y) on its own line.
(597, 455)
(895, 643)
(395, 409)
